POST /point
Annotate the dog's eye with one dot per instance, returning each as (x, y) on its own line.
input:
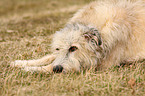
(57, 49)
(72, 48)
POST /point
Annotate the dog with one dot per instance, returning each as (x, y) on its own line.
(100, 35)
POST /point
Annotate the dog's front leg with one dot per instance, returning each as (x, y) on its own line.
(47, 68)
(39, 62)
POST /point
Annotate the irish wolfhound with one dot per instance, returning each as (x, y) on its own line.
(100, 35)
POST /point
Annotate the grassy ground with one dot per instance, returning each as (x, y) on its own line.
(26, 27)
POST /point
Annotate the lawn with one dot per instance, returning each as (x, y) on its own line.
(26, 29)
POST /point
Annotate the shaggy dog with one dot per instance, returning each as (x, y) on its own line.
(100, 35)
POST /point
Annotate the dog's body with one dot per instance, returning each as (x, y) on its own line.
(101, 34)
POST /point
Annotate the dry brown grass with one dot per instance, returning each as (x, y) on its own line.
(25, 33)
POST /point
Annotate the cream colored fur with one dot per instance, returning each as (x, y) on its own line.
(121, 25)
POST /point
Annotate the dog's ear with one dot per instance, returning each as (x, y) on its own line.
(93, 36)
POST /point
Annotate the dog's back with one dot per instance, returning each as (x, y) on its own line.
(121, 25)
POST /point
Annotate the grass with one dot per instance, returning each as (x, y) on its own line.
(25, 33)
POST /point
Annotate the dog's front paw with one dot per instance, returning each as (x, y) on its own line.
(19, 63)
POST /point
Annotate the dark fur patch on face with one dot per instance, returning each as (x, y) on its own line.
(93, 36)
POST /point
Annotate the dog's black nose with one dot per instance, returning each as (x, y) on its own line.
(57, 69)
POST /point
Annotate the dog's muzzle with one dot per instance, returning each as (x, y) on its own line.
(57, 69)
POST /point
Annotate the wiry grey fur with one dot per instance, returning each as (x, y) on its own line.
(100, 35)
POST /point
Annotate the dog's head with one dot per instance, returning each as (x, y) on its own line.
(76, 46)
